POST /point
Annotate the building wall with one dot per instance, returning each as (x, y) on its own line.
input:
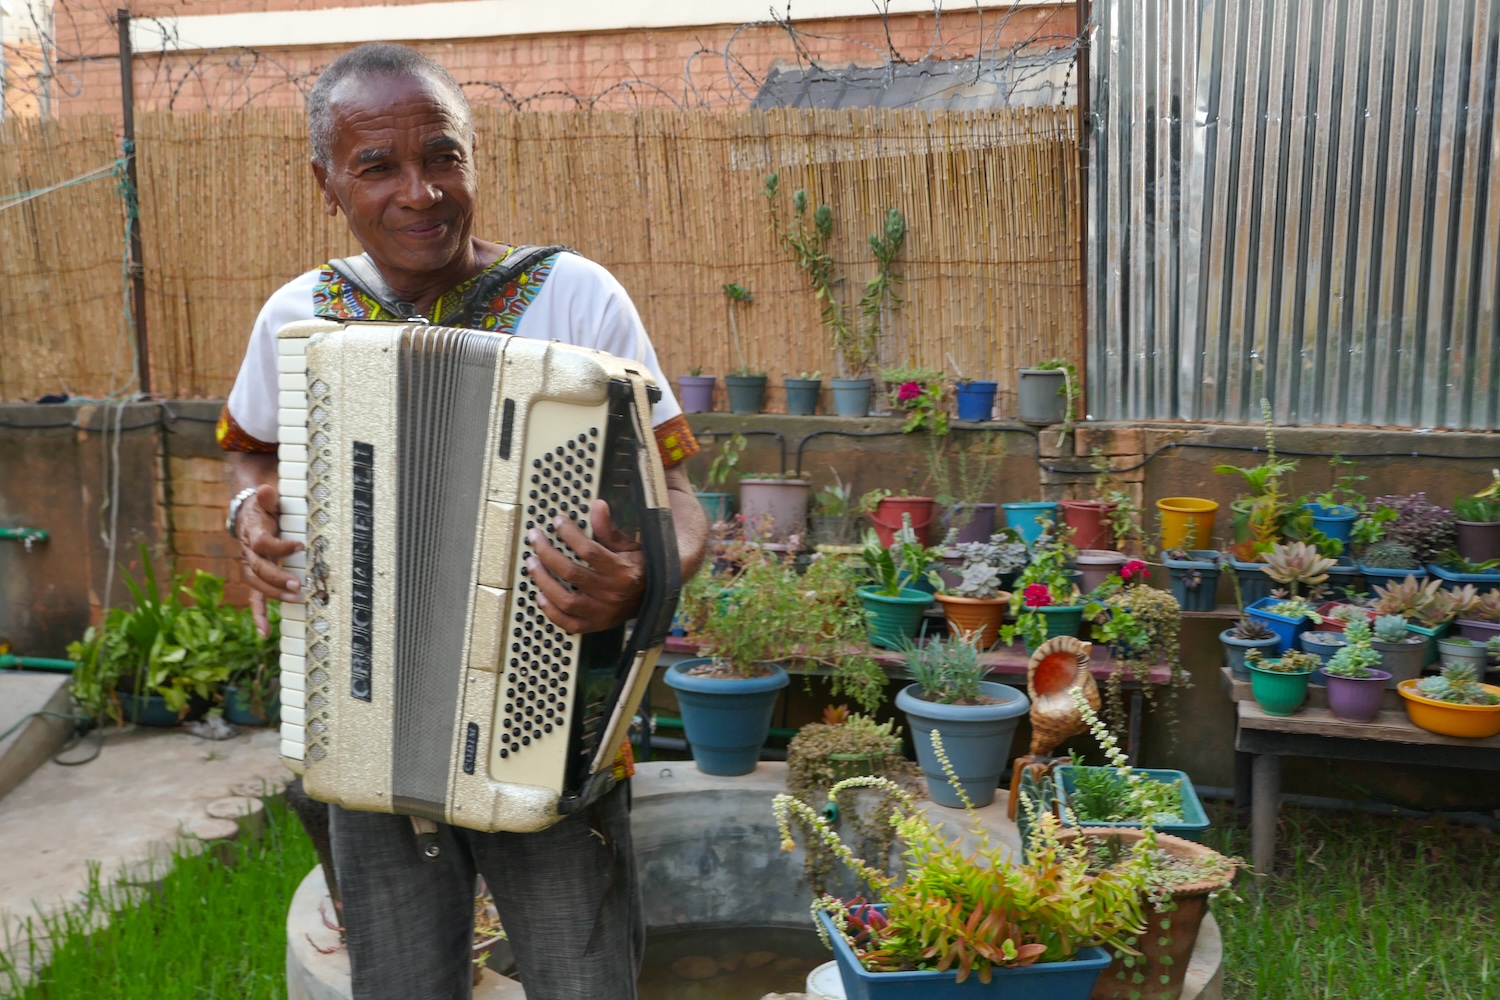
(659, 66)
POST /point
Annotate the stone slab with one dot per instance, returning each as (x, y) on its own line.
(39, 738)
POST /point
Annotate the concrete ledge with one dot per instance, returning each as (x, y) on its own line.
(41, 737)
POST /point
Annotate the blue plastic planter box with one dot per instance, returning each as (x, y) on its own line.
(1453, 579)
(1385, 577)
(1345, 578)
(1254, 583)
(1071, 980)
(1287, 629)
(1195, 579)
(1194, 818)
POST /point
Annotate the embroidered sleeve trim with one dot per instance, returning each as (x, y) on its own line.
(676, 441)
(232, 437)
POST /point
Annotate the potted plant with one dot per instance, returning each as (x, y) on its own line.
(1195, 577)
(1260, 513)
(1296, 565)
(1454, 703)
(1046, 601)
(1245, 635)
(1186, 521)
(1454, 570)
(1095, 566)
(1048, 394)
(1355, 687)
(975, 398)
(890, 513)
(1426, 528)
(1142, 626)
(1287, 617)
(777, 506)
(1428, 607)
(895, 611)
(252, 687)
(695, 391)
(745, 616)
(1032, 927)
(745, 386)
(917, 394)
(977, 717)
(718, 506)
(1280, 685)
(1029, 518)
(1338, 616)
(1455, 649)
(833, 518)
(1109, 520)
(1120, 795)
(1482, 621)
(1477, 523)
(802, 393)
(959, 486)
(153, 663)
(1333, 512)
(975, 604)
(1403, 653)
(1322, 645)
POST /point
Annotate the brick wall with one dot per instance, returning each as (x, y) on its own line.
(583, 64)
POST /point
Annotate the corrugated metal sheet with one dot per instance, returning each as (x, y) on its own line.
(1296, 199)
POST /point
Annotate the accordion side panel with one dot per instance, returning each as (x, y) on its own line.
(353, 453)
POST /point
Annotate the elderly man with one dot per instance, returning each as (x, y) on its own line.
(393, 151)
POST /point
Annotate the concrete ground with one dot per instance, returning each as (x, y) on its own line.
(126, 810)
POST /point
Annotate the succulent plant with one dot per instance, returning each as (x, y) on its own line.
(1426, 527)
(1447, 605)
(1487, 608)
(1390, 555)
(1458, 684)
(1391, 628)
(1409, 596)
(1297, 563)
(1252, 630)
(1357, 657)
(1347, 614)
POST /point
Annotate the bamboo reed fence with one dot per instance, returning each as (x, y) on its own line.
(670, 201)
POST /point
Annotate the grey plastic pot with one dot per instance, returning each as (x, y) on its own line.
(1096, 565)
(851, 396)
(1235, 650)
(783, 502)
(802, 396)
(747, 393)
(1195, 580)
(976, 740)
(696, 393)
(1040, 398)
(1471, 653)
(1402, 660)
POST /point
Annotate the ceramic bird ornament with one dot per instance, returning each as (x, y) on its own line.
(1058, 667)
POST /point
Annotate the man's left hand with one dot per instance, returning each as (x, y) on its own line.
(607, 584)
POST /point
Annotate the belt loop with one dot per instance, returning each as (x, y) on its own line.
(426, 833)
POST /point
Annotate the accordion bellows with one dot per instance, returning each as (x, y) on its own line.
(420, 676)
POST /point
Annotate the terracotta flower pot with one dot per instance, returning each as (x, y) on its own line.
(970, 615)
(1090, 522)
(887, 517)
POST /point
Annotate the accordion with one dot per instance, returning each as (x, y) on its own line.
(419, 676)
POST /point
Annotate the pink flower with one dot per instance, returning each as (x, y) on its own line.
(1038, 595)
(1132, 569)
(908, 392)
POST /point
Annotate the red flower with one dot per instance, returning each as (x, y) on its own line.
(1132, 569)
(908, 392)
(1038, 595)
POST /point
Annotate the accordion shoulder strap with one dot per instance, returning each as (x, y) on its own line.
(362, 273)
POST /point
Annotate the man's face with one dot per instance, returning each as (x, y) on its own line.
(401, 169)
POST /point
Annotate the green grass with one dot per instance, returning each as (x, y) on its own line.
(208, 932)
(1365, 908)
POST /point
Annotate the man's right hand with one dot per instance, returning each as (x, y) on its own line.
(261, 550)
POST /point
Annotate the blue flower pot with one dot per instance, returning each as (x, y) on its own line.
(1385, 577)
(146, 709)
(1287, 629)
(1322, 650)
(238, 710)
(1453, 579)
(1254, 583)
(1235, 650)
(726, 718)
(1190, 826)
(976, 400)
(1026, 518)
(1345, 577)
(976, 739)
(1070, 980)
(1336, 522)
(1195, 580)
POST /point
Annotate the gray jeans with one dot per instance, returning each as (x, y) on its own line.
(568, 899)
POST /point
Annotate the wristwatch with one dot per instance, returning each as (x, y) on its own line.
(234, 509)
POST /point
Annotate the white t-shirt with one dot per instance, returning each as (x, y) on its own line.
(579, 303)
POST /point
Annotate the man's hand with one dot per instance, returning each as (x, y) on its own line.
(261, 550)
(606, 587)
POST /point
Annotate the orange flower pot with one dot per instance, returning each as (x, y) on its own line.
(1448, 719)
(971, 615)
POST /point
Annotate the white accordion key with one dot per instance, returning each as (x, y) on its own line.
(296, 716)
(294, 733)
(292, 751)
(292, 452)
(292, 470)
(294, 680)
(292, 646)
(292, 417)
(291, 363)
(292, 434)
(294, 505)
(294, 699)
(294, 488)
(291, 346)
(292, 400)
(291, 382)
(293, 611)
(296, 524)
(295, 629)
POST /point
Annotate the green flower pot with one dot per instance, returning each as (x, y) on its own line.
(892, 619)
(1278, 693)
(1061, 619)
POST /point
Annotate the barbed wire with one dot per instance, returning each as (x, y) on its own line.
(972, 45)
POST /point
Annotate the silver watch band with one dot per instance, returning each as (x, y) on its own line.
(235, 506)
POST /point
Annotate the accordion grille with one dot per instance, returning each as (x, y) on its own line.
(320, 511)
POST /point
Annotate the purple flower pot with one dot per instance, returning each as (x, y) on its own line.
(696, 393)
(979, 525)
(1357, 699)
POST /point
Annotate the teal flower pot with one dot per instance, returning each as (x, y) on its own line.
(976, 740)
(747, 393)
(1070, 980)
(238, 710)
(1277, 693)
(802, 396)
(1189, 826)
(146, 709)
(726, 719)
(716, 506)
(1026, 518)
(893, 619)
(1061, 619)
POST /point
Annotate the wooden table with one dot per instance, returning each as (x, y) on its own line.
(1261, 741)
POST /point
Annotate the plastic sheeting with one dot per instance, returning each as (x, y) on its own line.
(1298, 200)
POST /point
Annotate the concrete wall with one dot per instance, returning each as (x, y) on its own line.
(173, 496)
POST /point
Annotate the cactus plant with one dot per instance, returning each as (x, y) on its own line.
(1390, 555)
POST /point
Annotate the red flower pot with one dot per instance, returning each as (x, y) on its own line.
(1089, 520)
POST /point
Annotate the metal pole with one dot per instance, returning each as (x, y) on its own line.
(137, 266)
(1082, 7)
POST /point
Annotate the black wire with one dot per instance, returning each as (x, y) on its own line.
(169, 416)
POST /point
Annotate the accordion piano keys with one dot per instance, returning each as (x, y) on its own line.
(291, 453)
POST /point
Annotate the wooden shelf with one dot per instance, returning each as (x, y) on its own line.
(1317, 694)
(1224, 612)
(1390, 726)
